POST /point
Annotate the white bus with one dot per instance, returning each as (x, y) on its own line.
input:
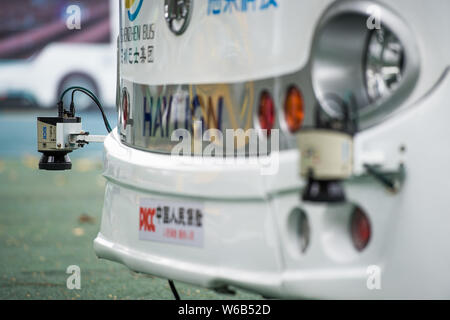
(282, 67)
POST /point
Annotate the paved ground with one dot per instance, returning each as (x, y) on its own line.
(48, 221)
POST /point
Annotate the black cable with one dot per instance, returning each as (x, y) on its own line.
(174, 290)
(97, 102)
(75, 87)
(87, 92)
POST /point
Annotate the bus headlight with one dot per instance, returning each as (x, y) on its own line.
(371, 71)
(383, 63)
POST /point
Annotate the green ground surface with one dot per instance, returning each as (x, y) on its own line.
(48, 221)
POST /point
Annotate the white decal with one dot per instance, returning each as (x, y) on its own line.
(171, 221)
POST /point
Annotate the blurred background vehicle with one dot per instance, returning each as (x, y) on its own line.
(40, 55)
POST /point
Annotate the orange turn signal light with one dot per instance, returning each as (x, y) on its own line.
(294, 110)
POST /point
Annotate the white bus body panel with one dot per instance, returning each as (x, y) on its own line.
(247, 241)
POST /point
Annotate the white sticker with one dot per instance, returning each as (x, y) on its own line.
(171, 221)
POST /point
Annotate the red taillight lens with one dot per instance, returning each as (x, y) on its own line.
(360, 229)
(294, 112)
(266, 112)
(125, 110)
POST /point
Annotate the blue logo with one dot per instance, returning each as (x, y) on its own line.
(216, 7)
(44, 132)
(129, 4)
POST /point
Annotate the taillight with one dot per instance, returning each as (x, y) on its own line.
(125, 110)
(266, 112)
(294, 111)
(360, 229)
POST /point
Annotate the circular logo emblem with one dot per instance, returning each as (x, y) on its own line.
(133, 7)
(178, 14)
